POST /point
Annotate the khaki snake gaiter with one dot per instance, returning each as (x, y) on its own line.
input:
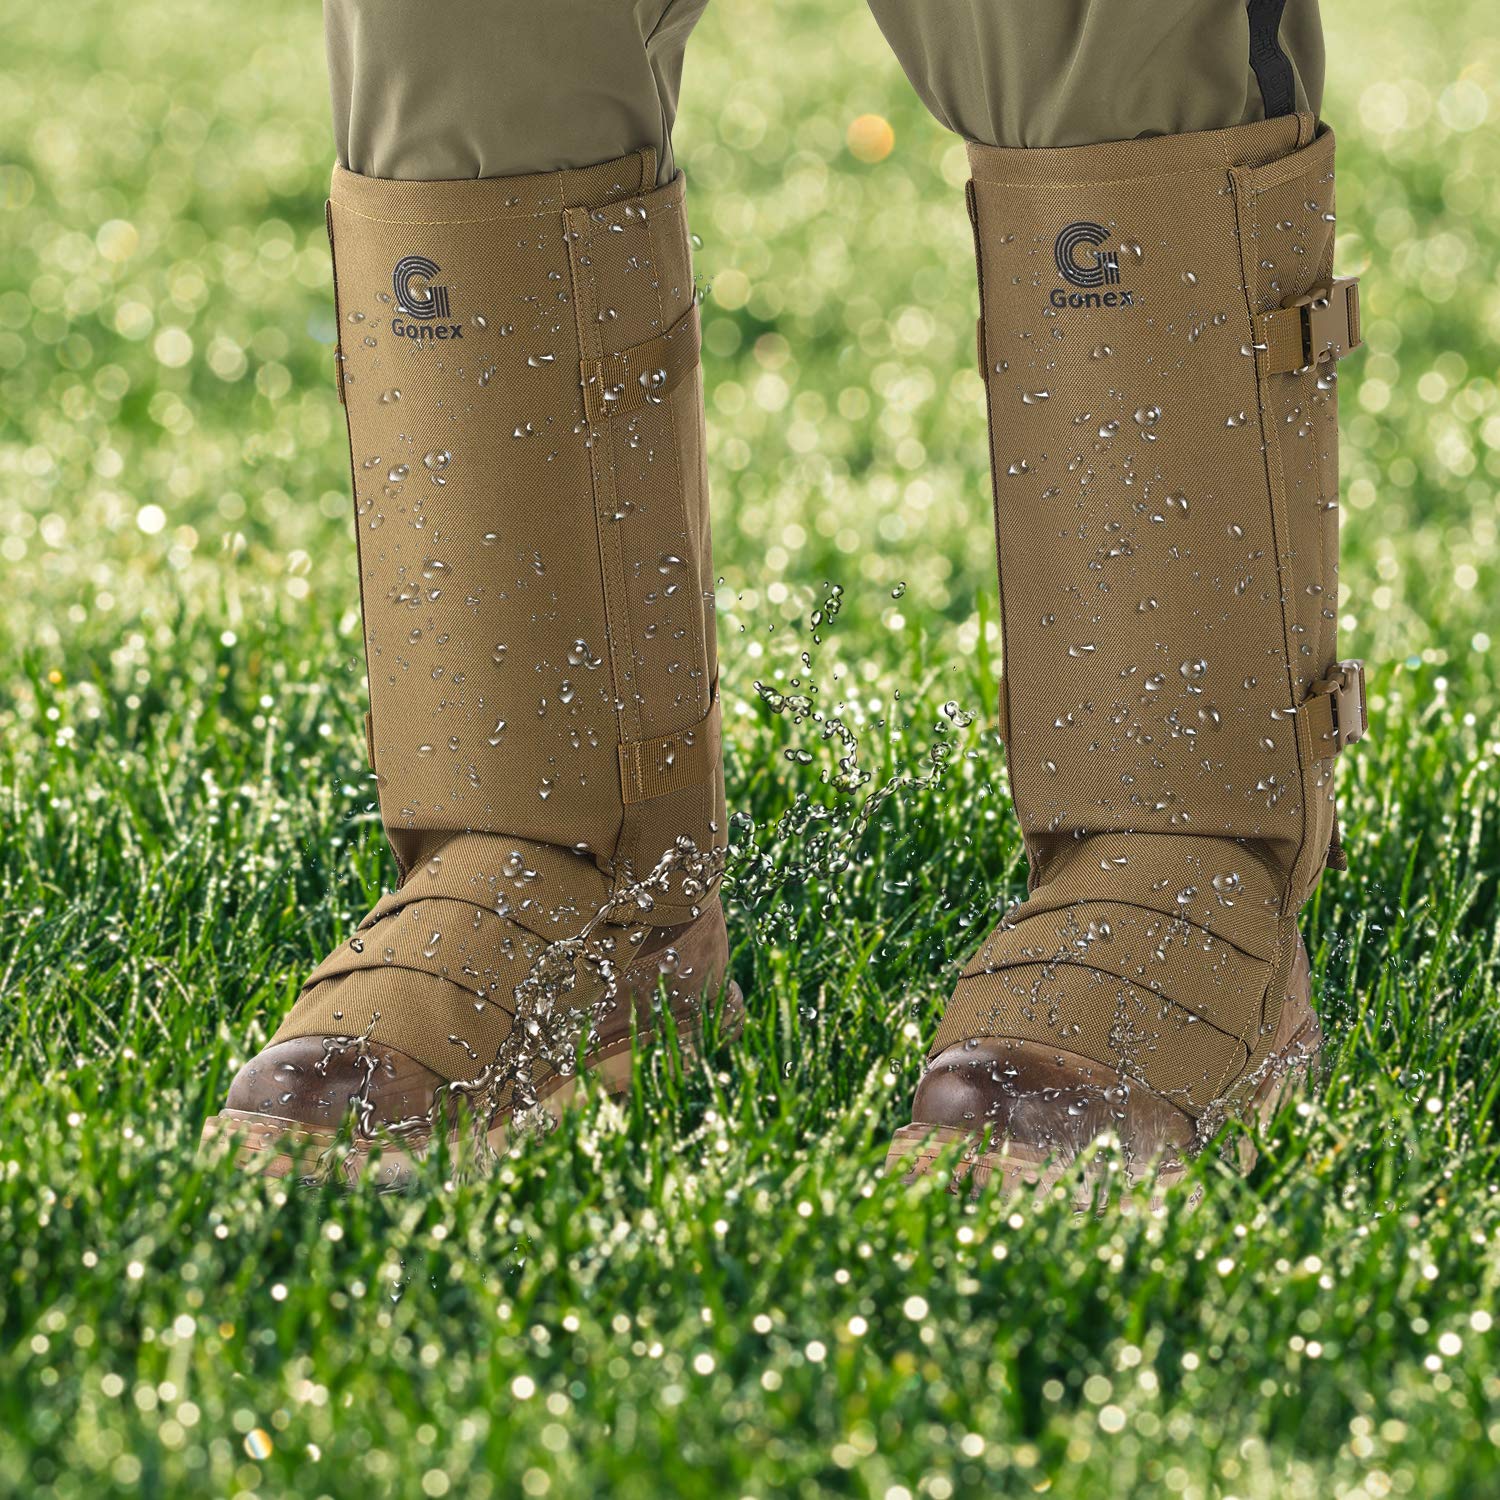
(1158, 335)
(518, 358)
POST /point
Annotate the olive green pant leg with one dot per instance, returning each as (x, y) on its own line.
(1078, 72)
(495, 88)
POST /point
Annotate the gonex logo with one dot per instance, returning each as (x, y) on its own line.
(1081, 262)
(1102, 268)
(419, 296)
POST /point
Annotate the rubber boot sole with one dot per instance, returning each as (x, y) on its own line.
(1015, 1168)
(266, 1146)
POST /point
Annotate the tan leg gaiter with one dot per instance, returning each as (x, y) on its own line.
(519, 363)
(1158, 335)
(518, 358)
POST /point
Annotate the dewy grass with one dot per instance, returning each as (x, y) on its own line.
(708, 1288)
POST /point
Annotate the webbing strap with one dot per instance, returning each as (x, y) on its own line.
(1196, 969)
(652, 768)
(1321, 326)
(1335, 710)
(644, 374)
(447, 939)
(1273, 68)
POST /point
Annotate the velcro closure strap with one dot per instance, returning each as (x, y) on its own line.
(1335, 710)
(1160, 952)
(1217, 885)
(644, 374)
(1323, 326)
(652, 768)
(478, 950)
(550, 892)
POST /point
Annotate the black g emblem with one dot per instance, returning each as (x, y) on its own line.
(416, 294)
(1096, 267)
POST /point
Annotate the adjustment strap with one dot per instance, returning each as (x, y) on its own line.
(1273, 68)
(644, 374)
(689, 757)
(338, 322)
(1324, 325)
(551, 892)
(1335, 711)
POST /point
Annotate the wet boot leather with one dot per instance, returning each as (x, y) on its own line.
(519, 363)
(1160, 326)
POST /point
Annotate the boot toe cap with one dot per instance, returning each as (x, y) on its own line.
(306, 1083)
(1054, 1103)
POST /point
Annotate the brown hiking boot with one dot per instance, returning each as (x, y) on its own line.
(1159, 335)
(518, 359)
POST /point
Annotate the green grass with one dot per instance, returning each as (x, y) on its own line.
(716, 1292)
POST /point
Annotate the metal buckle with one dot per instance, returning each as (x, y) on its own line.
(1345, 689)
(1324, 328)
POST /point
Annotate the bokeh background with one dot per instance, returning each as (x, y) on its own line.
(165, 328)
(721, 1295)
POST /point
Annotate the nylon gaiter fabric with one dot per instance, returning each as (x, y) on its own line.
(518, 358)
(1165, 494)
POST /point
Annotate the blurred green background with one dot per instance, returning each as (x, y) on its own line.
(721, 1296)
(165, 324)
